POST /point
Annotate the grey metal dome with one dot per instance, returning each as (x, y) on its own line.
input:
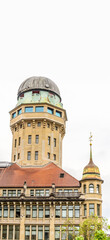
(41, 83)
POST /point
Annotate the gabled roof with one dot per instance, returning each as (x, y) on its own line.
(15, 176)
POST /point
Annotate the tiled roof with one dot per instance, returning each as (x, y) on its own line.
(15, 176)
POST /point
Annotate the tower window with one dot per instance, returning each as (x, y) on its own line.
(18, 155)
(48, 155)
(15, 142)
(35, 91)
(98, 188)
(19, 111)
(48, 140)
(28, 109)
(37, 139)
(56, 128)
(58, 114)
(39, 124)
(14, 157)
(39, 109)
(28, 155)
(50, 110)
(91, 209)
(29, 124)
(91, 188)
(19, 141)
(54, 156)
(14, 115)
(29, 139)
(85, 210)
(54, 142)
(98, 209)
(22, 95)
(84, 188)
(36, 155)
(48, 125)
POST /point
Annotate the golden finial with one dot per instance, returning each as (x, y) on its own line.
(90, 138)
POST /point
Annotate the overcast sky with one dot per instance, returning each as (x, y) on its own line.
(68, 42)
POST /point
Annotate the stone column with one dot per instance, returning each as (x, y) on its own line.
(52, 220)
(22, 220)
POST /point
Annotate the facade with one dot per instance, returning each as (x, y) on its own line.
(37, 197)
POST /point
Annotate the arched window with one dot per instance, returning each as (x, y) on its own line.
(98, 189)
(91, 188)
(84, 188)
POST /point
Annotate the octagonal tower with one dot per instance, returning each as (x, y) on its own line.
(38, 123)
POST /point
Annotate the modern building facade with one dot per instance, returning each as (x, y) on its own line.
(38, 199)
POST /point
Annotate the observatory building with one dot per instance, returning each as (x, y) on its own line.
(37, 197)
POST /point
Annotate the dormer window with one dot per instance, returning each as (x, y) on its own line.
(61, 175)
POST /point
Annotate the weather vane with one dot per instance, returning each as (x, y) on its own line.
(90, 138)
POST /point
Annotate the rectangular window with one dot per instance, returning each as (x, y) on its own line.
(54, 156)
(27, 232)
(47, 192)
(85, 210)
(15, 143)
(31, 192)
(54, 142)
(14, 115)
(57, 232)
(40, 233)
(46, 233)
(84, 188)
(47, 211)
(4, 232)
(48, 155)
(29, 139)
(58, 114)
(56, 128)
(48, 140)
(40, 211)
(10, 236)
(39, 124)
(18, 155)
(39, 193)
(4, 193)
(28, 109)
(63, 233)
(63, 211)
(18, 193)
(91, 209)
(36, 155)
(70, 211)
(50, 110)
(12, 211)
(48, 125)
(70, 232)
(19, 111)
(76, 230)
(12, 193)
(34, 211)
(14, 157)
(77, 211)
(5, 211)
(19, 141)
(57, 211)
(28, 155)
(33, 233)
(17, 211)
(28, 212)
(28, 124)
(37, 139)
(17, 231)
(98, 209)
(0, 211)
(75, 190)
(39, 109)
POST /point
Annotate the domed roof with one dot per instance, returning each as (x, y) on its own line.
(41, 83)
